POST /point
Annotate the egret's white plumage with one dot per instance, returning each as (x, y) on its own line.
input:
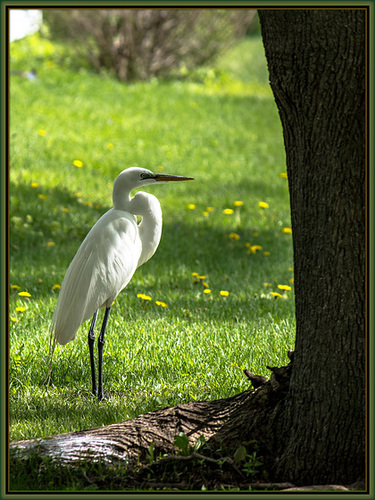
(109, 256)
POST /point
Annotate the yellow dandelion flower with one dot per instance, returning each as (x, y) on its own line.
(275, 294)
(160, 168)
(201, 277)
(110, 146)
(224, 293)
(20, 309)
(291, 269)
(255, 248)
(24, 294)
(228, 211)
(160, 303)
(263, 204)
(267, 284)
(234, 236)
(207, 290)
(205, 284)
(287, 230)
(42, 132)
(15, 287)
(205, 214)
(191, 206)
(284, 287)
(291, 280)
(77, 195)
(51, 244)
(88, 204)
(143, 296)
(78, 163)
(195, 274)
(42, 196)
(238, 203)
(266, 254)
(210, 209)
(56, 287)
(34, 184)
(15, 320)
(284, 175)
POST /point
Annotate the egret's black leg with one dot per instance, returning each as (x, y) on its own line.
(91, 349)
(100, 352)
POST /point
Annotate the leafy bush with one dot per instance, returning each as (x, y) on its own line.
(137, 44)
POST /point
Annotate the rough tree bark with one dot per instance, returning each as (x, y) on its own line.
(316, 61)
(309, 418)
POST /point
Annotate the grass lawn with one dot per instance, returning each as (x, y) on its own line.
(219, 126)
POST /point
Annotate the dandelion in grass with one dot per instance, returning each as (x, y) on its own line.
(15, 320)
(291, 269)
(284, 175)
(228, 211)
(191, 206)
(24, 294)
(42, 196)
(77, 195)
(210, 209)
(34, 185)
(20, 309)
(205, 284)
(266, 254)
(160, 303)
(78, 163)
(110, 146)
(56, 287)
(253, 248)
(238, 203)
(143, 296)
(207, 291)
(224, 293)
(195, 275)
(160, 168)
(263, 204)
(267, 284)
(291, 280)
(88, 204)
(276, 294)
(234, 236)
(205, 214)
(284, 287)
(50, 244)
(201, 277)
(15, 287)
(287, 230)
(42, 132)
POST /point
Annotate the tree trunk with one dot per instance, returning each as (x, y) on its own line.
(316, 61)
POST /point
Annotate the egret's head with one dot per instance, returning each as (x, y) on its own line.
(136, 177)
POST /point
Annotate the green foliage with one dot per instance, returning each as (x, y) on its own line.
(225, 132)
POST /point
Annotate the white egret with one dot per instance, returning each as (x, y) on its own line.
(107, 259)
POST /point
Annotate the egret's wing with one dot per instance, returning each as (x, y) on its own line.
(101, 268)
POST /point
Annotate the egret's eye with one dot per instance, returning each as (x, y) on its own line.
(145, 175)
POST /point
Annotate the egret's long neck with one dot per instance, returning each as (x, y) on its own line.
(148, 207)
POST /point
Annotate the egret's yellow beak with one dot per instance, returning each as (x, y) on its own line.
(168, 178)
